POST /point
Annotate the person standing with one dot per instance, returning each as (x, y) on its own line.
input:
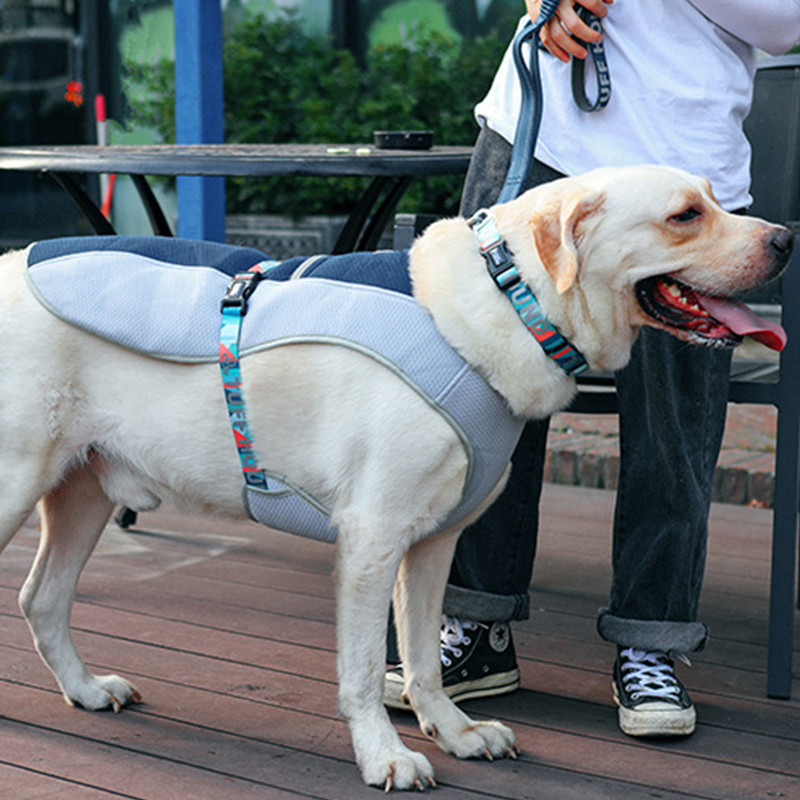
(682, 78)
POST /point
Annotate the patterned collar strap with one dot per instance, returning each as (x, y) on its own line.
(234, 307)
(501, 267)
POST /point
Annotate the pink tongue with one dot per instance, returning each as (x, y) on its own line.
(742, 321)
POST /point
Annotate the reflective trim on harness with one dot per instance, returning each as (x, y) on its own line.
(500, 264)
(234, 307)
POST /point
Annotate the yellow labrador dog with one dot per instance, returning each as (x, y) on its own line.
(91, 424)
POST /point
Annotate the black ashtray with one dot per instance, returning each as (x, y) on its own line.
(403, 140)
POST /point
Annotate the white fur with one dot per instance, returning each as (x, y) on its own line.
(85, 425)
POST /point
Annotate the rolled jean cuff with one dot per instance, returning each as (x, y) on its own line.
(645, 634)
(483, 606)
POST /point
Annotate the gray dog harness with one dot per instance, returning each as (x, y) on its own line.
(161, 297)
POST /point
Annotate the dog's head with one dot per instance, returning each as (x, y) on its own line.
(633, 246)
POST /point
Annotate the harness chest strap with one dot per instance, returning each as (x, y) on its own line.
(504, 273)
(234, 307)
(365, 320)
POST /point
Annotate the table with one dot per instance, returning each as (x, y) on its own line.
(391, 171)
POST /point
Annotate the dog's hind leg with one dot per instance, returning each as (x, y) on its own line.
(73, 515)
(418, 599)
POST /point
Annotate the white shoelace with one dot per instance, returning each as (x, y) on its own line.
(649, 674)
(452, 636)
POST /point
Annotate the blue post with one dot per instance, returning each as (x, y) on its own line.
(199, 112)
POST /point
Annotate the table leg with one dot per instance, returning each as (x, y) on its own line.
(383, 215)
(368, 218)
(349, 236)
(158, 221)
(96, 219)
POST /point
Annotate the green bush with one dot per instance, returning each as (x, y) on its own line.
(283, 85)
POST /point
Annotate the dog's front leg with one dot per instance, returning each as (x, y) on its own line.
(365, 577)
(418, 597)
(73, 516)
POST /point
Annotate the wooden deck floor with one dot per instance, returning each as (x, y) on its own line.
(228, 632)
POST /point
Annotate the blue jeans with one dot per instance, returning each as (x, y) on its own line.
(673, 401)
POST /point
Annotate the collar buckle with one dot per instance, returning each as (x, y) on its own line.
(499, 258)
(500, 266)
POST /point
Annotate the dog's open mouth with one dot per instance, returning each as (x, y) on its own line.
(710, 320)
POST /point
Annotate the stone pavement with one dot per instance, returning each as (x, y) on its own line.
(583, 450)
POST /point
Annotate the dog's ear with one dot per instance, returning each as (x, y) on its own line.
(556, 230)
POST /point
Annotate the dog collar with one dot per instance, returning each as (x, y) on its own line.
(500, 265)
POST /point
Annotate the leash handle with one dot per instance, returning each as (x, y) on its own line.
(530, 116)
(602, 76)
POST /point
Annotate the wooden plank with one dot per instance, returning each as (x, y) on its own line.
(228, 628)
(190, 729)
(774, 750)
(20, 783)
(59, 759)
(536, 712)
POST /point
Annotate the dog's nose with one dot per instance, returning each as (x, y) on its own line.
(781, 244)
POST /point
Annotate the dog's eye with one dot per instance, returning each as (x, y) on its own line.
(686, 216)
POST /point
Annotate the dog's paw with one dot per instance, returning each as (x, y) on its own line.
(478, 740)
(104, 691)
(402, 769)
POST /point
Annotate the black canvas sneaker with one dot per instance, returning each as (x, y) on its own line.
(478, 660)
(651, 700)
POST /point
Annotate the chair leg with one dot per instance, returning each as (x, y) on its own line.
(784, 553)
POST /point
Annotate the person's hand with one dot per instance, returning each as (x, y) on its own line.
(557, 32)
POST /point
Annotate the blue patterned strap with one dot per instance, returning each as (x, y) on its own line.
(500, 264)
(234, 307)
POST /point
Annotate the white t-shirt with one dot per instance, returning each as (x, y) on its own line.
(681, 87)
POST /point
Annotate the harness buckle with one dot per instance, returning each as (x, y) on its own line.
(242, 285)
